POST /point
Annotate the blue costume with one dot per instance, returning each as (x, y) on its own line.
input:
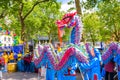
(20, 65)
(70, 73)
(93, 67)
(50, 73)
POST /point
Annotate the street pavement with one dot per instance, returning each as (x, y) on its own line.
(26, 76)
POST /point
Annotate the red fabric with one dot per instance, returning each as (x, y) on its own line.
(60, 36)
(110, 67)
(2, 61)
(28, 59)
(65, 58)
(95, 77)
(67, 17)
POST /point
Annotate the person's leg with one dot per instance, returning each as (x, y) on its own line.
(25, 66)
(0, 74)
(112, 76)
(5, 67)
(32, 67)
(18, 66)
(106, 75)
(22, 66)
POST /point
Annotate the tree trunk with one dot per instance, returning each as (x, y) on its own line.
(78, 7)
(22, 27)
(116, 33)
(22, 30)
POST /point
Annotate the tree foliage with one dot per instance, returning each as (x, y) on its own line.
(92, 27)
(28, 16)
(109, 15)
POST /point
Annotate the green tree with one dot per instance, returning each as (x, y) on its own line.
(109, 15)
(43, 21)
(21, 9)
(92, 27)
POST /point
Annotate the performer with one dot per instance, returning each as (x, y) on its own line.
(58, 48)
(93, 67)
(59, 53)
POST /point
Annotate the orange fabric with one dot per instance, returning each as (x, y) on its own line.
(59, 36)
(11, 56)
(5, 58)
(59, 49)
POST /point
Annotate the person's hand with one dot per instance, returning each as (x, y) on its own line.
(69, 68)
(115, 69)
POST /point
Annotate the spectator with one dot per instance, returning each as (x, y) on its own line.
(58, 48)
(109, 68)
(19, 55)
(2, 63)
(27, 62)
(11, 57)
(5, 56)
(19, 62)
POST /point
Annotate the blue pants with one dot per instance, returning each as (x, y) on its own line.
(32, 67)
(50, 74)
(20, 65)
(26, 66)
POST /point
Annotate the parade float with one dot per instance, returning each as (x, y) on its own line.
(73, 52)
(9, 41)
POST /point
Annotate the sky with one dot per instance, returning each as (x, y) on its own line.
(65, 6)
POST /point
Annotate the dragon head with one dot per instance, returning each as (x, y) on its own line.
(68, 20)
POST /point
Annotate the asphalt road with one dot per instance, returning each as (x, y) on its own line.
(26, 76)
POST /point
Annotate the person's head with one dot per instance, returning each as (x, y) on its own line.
(11, 52)
(5, 53)
(58, 45)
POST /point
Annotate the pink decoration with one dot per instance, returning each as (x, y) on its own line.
(57, 66)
